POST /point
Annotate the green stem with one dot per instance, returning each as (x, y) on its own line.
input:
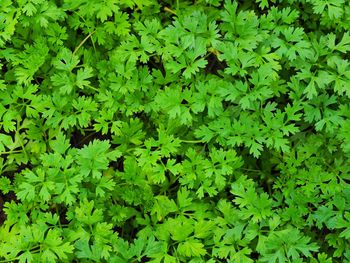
(91, 87)
(9, 260)
(83, 41)
(10, 152)
(21, 143)
(250, 170)
(167, 9)
(58, 214)
(192, 141)
(82, 18)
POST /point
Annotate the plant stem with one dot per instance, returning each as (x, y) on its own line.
(83, 41)
(167, 9)
(192, 141)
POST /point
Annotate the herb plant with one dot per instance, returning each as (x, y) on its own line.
(175, 131)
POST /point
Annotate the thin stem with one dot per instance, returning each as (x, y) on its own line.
(82, 18)
(9, 260)
(10, 152)
(167, 9)
(91, 87)
(87, 137)
(82, 42)
(58, 214)
(250, 170)
(192, 141)
(20, 139)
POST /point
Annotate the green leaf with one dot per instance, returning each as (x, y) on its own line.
(87, 214)
(56, 247)
(191, 248)
(61, 144)
(162, 207)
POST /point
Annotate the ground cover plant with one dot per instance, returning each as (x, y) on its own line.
(174, 131)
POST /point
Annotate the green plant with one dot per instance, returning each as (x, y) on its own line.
(174, 131)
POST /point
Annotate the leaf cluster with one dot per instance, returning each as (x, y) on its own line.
(174, 131)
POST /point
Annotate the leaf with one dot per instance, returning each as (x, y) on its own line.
(65, 60)
(82, 76)
(296, 246)
(162, 207)
(87, 214)
(5, 185)
(94, 158)
(191, 248)
(57, 249)
(61, 144)
(202, 229)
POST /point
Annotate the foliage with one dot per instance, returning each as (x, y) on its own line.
(174, 131)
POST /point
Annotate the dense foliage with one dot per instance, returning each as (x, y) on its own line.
(174, 131)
